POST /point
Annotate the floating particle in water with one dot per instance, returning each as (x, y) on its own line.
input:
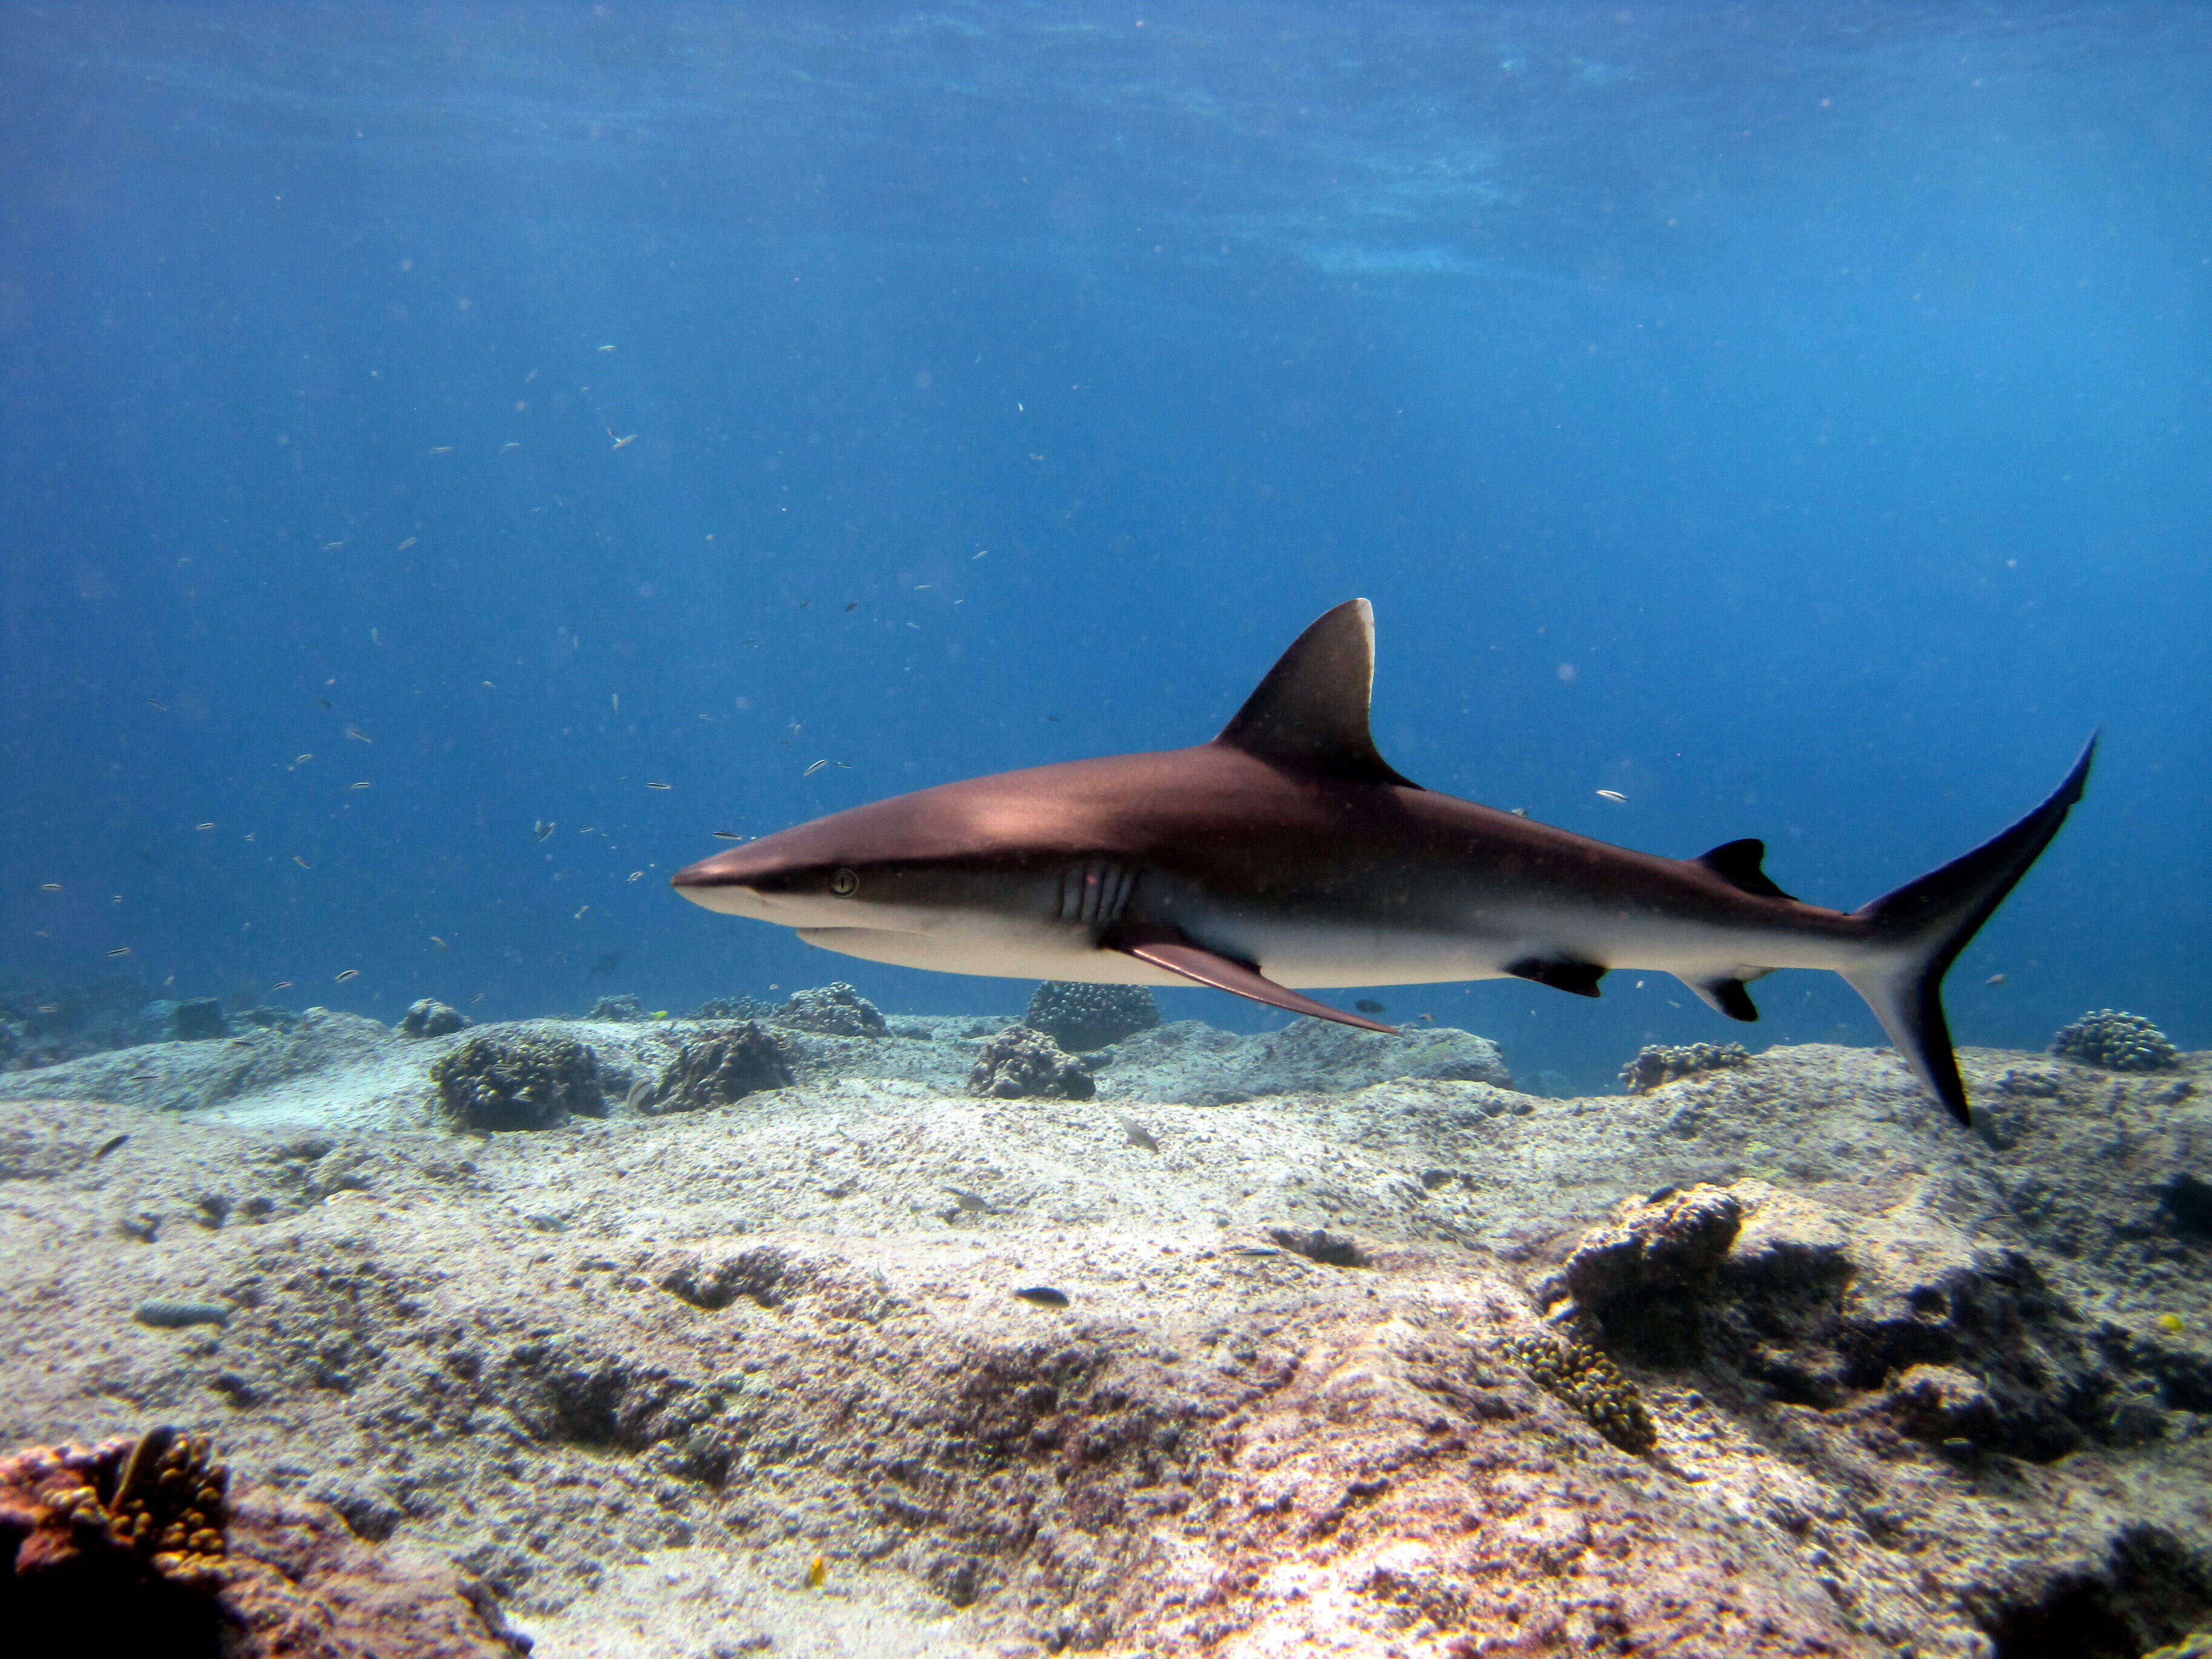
(1368, 1005)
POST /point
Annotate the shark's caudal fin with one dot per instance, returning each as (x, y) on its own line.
(1928, 922)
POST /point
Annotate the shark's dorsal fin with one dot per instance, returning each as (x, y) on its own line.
(1309, 714)
(1737, 863)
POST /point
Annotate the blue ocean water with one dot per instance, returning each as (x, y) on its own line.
(423, 426)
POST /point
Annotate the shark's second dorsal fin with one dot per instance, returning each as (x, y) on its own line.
(1309, 714)
(1737, 863)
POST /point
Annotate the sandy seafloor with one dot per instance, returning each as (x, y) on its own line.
(1918, 1390)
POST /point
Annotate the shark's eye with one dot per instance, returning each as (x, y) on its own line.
(844, 883)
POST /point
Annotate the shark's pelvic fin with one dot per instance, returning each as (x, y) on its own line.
(1171, 949)
(1726, 995)
(1928, 922)
(1309, 714)
(1560, 973)
(1737, 863)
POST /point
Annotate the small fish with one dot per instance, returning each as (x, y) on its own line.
(409, 542)
(614, 701)
(440, 944)
(656, 784)
(965, 1199)
(579, 911)
(477, 998)
(332, 547)
(281, 985)
(543, 829)
(108, 1145)
(1615, 794)
(818, 1570)
(635, 874)
(1367, 1005)
(302, 760)
(350, 973)
(619, 442)
(503, 448)
(302, 862)
(56, 887)
(2170, 1323)
(363, 784)
(1044, 1295)
(203, 826)
(813, 770)
(856, 605)
(121, 951)
(1520, 812)
(489, 686)
(728, 834)
(163, 707)
(1138, 1136)
(443, 449)
(358, 735)
(533, 372)
(1995, 979)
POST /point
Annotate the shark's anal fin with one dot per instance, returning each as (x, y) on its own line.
(1726, 995)
(1168, 948)
(1737, 863)
(1560, 973)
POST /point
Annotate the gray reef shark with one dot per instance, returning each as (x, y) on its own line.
(1287, 852)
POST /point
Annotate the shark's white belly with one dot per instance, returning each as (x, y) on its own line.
(1307, 952)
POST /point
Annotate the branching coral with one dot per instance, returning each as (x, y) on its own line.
(1019, 1064)
(1655, 1065)
(160, 1499)
(1586, 1380)
(517, 1083)
(1081, 1018)
(2117, 1042)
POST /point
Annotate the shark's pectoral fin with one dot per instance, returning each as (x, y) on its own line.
(1169, 948)
(1560, 973)
(1726, 993)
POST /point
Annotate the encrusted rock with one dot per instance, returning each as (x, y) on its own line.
(2115, 1041)
(625, 1007)
(531, 1082)
(1020, 1064)
(198, 1020)
(1941, 1402)
(429, 1019)
(835, 1010)
(1673, 1240)
(737, 1008)
(1586, 1380)
(1654, 1064)
(718, 1068)
(1081, 1018)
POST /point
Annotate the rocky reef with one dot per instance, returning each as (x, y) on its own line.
(1314, 1341)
